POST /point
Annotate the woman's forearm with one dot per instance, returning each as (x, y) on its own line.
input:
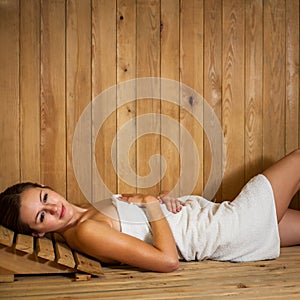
(163, 238)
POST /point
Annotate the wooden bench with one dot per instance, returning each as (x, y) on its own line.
(23, 254)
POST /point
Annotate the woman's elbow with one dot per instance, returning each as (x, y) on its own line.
(170, 266)
(174, 266)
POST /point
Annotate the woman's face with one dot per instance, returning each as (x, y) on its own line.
(45, 210)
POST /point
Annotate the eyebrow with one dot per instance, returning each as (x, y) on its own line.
(38, 211)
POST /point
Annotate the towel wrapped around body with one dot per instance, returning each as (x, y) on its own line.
(244, 229)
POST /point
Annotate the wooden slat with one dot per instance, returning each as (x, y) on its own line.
(148, 65)
(233, 106)
(9, 93)
(24, 243)
(44, 248)
(6, 236)
(53, 122)
(170, 47)
(253, 88)
(64, 255)
(78, 86)
(274, 81)
(104, 77)
(87, 265)
(212, 78)
(126, 70)
(30, 74)
(191, 66)
(7, 278)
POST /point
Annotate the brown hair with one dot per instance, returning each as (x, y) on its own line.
(10, 203)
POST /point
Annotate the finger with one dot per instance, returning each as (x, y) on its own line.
(169, 206)
(174, 206)
(178, 205)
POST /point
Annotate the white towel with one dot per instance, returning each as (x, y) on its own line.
(245, 229)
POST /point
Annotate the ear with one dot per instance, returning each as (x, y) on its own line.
(38, 234)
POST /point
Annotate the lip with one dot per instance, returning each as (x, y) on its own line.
(62, 212)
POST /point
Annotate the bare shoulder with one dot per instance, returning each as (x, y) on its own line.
(92, 237)
(88, 229)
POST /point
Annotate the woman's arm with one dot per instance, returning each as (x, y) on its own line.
(99, 240)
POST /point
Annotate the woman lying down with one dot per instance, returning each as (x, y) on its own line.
(251, 227)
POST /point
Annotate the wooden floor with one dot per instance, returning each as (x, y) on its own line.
(277, 279)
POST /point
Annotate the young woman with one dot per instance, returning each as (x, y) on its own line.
(165, 229)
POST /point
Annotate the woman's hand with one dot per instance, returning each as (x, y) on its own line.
(173, 204)
(138, 199)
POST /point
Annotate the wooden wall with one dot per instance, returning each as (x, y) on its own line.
(56, 56)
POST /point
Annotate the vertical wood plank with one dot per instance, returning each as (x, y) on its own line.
(103, 77)
(253, 88)
(292, 76)
(191, 74)
(78, 82)
(170, 45)
(292, 117)
(30, 90)
(53, 121)
(233, 96)
(126, 70)
(9, 93)
(212, 71)
(274, 81)
(148, 64)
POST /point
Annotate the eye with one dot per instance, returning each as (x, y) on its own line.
(45, 198)
(42, 216)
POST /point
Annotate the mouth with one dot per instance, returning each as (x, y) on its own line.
(62, 212)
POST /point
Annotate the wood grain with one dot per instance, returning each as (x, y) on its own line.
(30, 100)
(275, 279)
(53, 113)
(78, 85)
(233, 100)
(24, 243)
(170, 37)
(57, 56)
(9, 93)
(126, 70)
(274, 82)
(148, 65)
(191, 74)
(104, 77)
(212, 78)
(253, 88)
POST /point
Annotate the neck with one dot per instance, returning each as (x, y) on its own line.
(78, 217)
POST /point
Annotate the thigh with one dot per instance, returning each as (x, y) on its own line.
(284, 177)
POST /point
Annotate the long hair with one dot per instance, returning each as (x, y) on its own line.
(10, 203)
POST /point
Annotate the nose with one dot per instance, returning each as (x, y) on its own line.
(51, 208)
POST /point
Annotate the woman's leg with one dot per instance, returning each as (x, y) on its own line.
(289, 228)
(284, 177)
